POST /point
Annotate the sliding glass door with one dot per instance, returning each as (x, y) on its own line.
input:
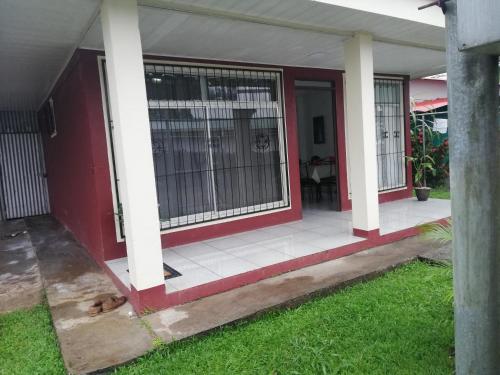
(218, 142)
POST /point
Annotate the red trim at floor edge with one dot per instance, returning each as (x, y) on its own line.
(158, 298)
(145, 301)
(368, 234)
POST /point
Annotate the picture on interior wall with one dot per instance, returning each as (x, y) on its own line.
(319, 130)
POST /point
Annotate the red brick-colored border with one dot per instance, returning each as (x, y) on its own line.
(157, 299)
(146, 300)
(369, 234)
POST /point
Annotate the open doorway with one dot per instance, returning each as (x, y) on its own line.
(317, 144)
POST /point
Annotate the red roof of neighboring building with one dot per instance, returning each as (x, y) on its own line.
(429, 105)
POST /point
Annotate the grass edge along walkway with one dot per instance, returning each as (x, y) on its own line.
(398, 323)
(28, 343)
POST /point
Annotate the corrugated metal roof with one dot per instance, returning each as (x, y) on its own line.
(429, 105)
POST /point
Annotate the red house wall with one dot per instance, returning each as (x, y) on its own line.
(68, 158)
(77, 162)
(79, 174)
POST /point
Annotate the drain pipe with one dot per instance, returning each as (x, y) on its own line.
(474, 134)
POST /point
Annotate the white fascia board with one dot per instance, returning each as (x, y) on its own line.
(403, 9)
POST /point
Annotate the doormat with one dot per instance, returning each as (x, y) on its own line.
(169, 272)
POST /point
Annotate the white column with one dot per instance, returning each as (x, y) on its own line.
(129, 109)
(362, 147)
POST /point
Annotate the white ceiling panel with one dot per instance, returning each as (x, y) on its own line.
(36, 42)
(181, 34)
(172, 33)
(415, 62)
(38, 37)
(322, 14)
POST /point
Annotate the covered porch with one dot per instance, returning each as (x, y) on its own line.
(132, 76)
(257, 101)
(220, 264)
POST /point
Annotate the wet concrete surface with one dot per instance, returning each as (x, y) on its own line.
(443, 254)
(286, 290)
(20, 283)
(72, 281)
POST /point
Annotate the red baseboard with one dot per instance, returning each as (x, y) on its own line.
(369, 234)
(146, 300)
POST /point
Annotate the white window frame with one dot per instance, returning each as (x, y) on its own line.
(211, 216)
(285, 170)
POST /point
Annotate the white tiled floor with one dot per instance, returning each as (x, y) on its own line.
(320, 230)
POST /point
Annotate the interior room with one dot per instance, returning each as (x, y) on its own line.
(317, 144)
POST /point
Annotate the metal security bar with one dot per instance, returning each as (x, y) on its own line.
(23, 186)
(218, 142)
(389, 120)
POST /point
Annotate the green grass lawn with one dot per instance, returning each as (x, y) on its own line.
(400, 323)
(28, 343)
(439, 192)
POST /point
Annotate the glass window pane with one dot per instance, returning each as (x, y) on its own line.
(246, 156)
(241, 89)
(181, 158)
(222, 155)
(390, 133)
(163, 85)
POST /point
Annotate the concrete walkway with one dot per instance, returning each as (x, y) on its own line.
(285, 290)
(20, 284)
(442, 255)
(72, 280)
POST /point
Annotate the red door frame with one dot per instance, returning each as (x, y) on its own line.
(335, 76)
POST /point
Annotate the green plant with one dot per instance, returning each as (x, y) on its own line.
(425, 141)
(441, 233)
(158, 343)
(421, 136)
(421, 164)
(438, 232)
(440, 155)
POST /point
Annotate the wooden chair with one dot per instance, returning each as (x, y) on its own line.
(329, 184)
(308, 187)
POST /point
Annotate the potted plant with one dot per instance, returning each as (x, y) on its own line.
(422, 164)
(422, 141)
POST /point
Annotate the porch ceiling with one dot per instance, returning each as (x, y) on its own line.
(180, 33)
(37, 38)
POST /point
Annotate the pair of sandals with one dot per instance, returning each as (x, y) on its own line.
(106, 304)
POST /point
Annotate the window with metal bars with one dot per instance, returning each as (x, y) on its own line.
(389, 120)
(218, 142)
